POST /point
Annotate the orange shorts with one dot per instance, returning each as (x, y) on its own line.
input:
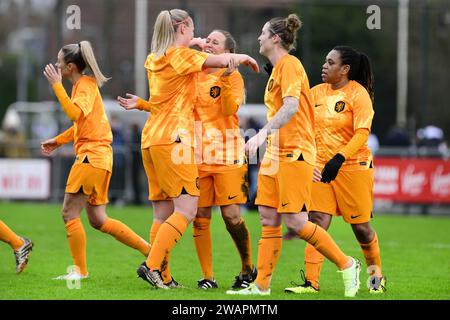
(223, 188)
(92, 181)
(285, 185)
(170, 176)
(349, 196)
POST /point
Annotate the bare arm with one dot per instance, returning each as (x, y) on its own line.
(286, 112)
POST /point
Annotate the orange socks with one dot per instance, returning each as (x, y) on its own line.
(77, 244)
(313, 264)
(371, 252)
(125, 235)
(168, 235)
(154, 230)
(269, 251)
(241, 238)
(166, 275)
(203, 245)
(322, 241)
(8, 236)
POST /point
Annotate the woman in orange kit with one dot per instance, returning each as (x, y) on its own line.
(88, 181)
(168, 136)
(286, 172)
(344, 164)
(222, 166)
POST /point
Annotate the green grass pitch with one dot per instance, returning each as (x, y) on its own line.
(415, 254)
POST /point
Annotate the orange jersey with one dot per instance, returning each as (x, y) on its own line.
(338, 114)
(289, 79)
(172, 90)
(91, 132)
(220, 145)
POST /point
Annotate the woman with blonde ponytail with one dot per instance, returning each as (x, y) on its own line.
(173, 181)
(88, 55)
(286, 172)
(88, 181)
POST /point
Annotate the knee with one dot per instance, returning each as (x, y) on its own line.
(319, 218)
(204, 213)
(201, 224)
(96, 225)
(68, 214)
(231, 216)
(269, 217)
(96, 222)
(295, 222)
(189, 215)
(269, 222)
(363, 232)
(187, 207)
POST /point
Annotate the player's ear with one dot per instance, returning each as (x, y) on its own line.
(275, 39)
(345, 69)
(182, 28)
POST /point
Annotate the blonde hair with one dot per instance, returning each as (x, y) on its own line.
(165, 27)
(82, 55)
(286, 29)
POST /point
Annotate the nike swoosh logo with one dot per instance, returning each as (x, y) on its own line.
(284, 204)
(317, 105)
(231, 198)
(353, 217)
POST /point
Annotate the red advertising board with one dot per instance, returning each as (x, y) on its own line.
(413, 180)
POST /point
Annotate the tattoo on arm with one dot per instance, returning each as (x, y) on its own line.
(286, 112)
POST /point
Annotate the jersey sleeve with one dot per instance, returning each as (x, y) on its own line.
(186, 61)
(72, 111)
(233, 93)
(291, 80)
(85, 96)
(362, 111)
(315, 93)
(65, 137)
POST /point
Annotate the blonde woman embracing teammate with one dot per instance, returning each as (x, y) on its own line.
(168, 136)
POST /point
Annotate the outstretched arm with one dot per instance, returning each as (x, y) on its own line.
(134, 102)
(223, 60)
(50, 145)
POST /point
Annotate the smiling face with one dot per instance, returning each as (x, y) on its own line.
(266, 40)
(333, 71)
(215, 43)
